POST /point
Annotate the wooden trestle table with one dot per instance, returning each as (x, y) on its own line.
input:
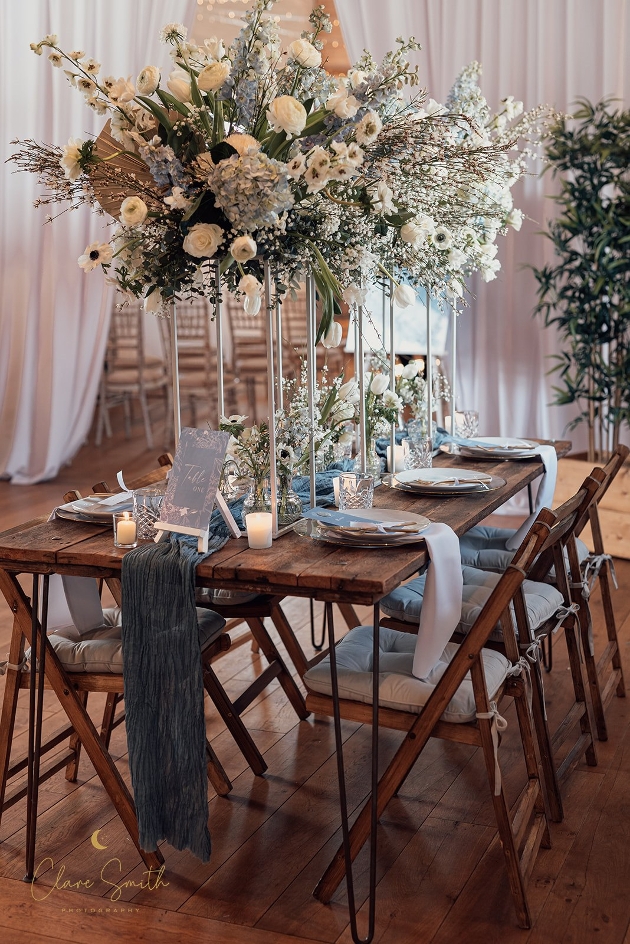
(294, 566)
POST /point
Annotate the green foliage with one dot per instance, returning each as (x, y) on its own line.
(586, 293)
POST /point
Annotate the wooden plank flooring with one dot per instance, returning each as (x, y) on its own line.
(440, 871)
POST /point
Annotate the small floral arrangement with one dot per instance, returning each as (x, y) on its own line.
(382, 405)
(257, 152)
(411, 387)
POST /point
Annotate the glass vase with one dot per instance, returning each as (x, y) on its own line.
(289, 502)
(373, 462)
(258, 498)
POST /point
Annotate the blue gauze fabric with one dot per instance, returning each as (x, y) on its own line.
(166, 732)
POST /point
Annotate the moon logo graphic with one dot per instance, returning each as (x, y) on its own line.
(94, 840)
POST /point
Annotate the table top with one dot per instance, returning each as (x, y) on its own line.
(295, 565)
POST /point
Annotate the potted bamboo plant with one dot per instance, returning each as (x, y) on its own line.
(585, 293)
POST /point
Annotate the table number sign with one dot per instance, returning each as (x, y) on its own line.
(192, 490)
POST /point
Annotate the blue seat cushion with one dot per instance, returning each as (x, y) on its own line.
(405, 603)
(484, 547)
(398, 688)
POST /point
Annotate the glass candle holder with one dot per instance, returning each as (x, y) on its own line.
(259, 533)
(147, 505)
(417, 453)
(125, 529)
(356, 490)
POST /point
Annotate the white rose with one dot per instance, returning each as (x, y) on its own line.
(379, 384)
(442, 238)
(242, 142)
(412, 233)
(305, 54)
(70, 158)
(148, 80)
(179, 85)
(410, 370)
(212, 77)
(347, 108)
(203, 240)
(243, 249)
(133, 211)
(287, 114)
(122, 91)
(404, 296)
(153, 302)
(349, 391)
(333, 336)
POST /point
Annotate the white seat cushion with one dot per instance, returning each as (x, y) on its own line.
(405, 603)
(484, 547)
(100, 650)
(398, 688)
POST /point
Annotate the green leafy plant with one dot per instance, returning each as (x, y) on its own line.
(586, 293)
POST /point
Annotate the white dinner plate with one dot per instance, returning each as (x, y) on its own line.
(443, 479)
(93, 509)
(317, 530)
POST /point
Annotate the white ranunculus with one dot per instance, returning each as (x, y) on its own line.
(404, 296)
(148, 80)
(242, 143)
(368, 129)
(71, 153)
(179, 85)
(95, 254)
(347, 108)
(133, 211)
(354, 295)
(243, 249)
(333, 336)
(337, 97)
(357, 77)
(515, 219)
(287, 114)
(349, 391)
(122, 91)
(153, 302)
(212, 77)
(398, 370)
(379, 384)
(410, 370)
(442, 238)
(305, 54)
(203, 240)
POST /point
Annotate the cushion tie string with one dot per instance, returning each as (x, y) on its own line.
(563, 613)
(4, 666)
(523, 668)
(533, 652)
(594, 563)
(498, 723)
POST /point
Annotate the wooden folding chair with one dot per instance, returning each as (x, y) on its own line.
(520, 835)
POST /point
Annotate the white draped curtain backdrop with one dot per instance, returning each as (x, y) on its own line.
(53, 318)
(552, 51)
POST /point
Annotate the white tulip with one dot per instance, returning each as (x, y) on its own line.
(333, 336)
(179, 85)
(154, 301)
(404, 296)
(379, 384)
(410, 370)
(305, 54)
(349, 391)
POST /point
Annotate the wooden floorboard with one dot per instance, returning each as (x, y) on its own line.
(441, 877)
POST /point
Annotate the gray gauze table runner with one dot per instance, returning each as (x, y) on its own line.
(164, 694)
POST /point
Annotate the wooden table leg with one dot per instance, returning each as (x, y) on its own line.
(285, 678)
(9, 705)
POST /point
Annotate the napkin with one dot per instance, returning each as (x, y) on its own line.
(442, 603)
(544, 496)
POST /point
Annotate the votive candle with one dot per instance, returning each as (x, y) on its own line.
(259, 534)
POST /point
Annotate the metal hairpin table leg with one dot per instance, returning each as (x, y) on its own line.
(35, 717)
(317, 646)
(342, 780)
(530, 498)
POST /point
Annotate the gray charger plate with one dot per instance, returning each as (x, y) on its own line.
(444, 492)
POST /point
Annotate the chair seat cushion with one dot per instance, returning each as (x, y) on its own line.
(100, 650)
(484, 547)
(405, 603)
(398, 688)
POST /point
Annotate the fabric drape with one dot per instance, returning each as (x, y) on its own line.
(539, 52)
(54, 318)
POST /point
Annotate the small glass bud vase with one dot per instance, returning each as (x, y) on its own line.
(289, 502)
(258, 498)
(373, 463)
